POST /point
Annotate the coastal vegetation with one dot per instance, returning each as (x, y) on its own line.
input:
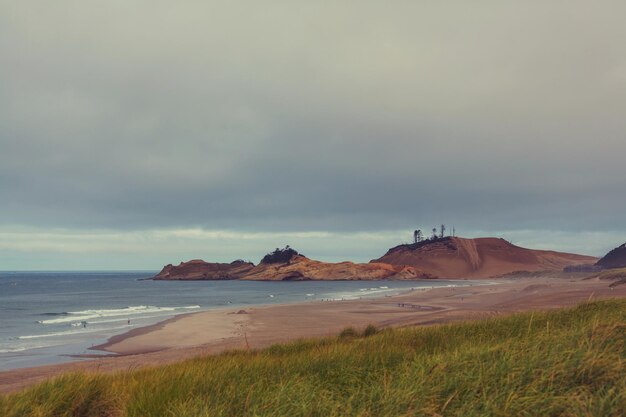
(618, 276)
(418, 235)
(280, 255)
(567, 362)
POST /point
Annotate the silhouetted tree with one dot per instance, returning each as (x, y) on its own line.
(418, 236)
(434, 233)
(280, 255)
(443, 230)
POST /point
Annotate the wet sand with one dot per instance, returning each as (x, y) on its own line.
(212, 332)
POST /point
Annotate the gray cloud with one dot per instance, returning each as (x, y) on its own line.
(297, 116)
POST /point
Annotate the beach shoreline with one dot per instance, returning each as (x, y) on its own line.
(215, 331)
(53, 330)
(225, 312)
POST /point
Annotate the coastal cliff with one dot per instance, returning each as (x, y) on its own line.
(287, 265)
(198, 269)
(447, 257)
(301, 268)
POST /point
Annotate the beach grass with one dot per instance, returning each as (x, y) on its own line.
(568, 362)
(618, 276)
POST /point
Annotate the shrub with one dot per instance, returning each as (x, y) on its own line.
(280, 256)
(348, 332)
(370, 330)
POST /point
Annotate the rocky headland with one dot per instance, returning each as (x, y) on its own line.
(198, 269)
(287, 265)
(301, 268)
(447, 257)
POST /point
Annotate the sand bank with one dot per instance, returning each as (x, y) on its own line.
(216, 331)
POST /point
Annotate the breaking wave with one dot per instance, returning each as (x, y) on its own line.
(131, 311)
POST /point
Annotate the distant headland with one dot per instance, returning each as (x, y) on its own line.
(437, 256)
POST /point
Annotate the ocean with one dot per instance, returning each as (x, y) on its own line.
(46, 317)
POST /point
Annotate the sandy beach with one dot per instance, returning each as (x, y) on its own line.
(212, 332)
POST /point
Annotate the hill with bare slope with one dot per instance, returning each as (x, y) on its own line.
(616, 258)
(455, 257)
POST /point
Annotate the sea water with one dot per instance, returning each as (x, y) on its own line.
(46, 317)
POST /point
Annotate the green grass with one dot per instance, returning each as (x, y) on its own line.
(618, 276)
(563, 363)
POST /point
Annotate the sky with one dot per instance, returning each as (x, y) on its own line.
(135, 134)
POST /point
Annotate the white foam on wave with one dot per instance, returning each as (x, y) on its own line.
(84, 315)
(22, 348)
(109, 324)
(363, 292)
(374, 289)
(70, 332)
(383, 290)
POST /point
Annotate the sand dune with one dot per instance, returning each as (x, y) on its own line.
(455, 257)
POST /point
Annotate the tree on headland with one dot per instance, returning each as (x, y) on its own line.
(437, 233)
(280, 255)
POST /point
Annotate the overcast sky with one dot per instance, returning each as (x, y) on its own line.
(134, 134)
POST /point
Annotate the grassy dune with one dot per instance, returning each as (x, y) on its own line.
(568, 362)
(618, 276)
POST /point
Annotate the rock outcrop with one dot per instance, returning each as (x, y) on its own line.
(301, 268)
(449, 257)
(455, 257)
(614, 259)
(287, 265)
(197, 269)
